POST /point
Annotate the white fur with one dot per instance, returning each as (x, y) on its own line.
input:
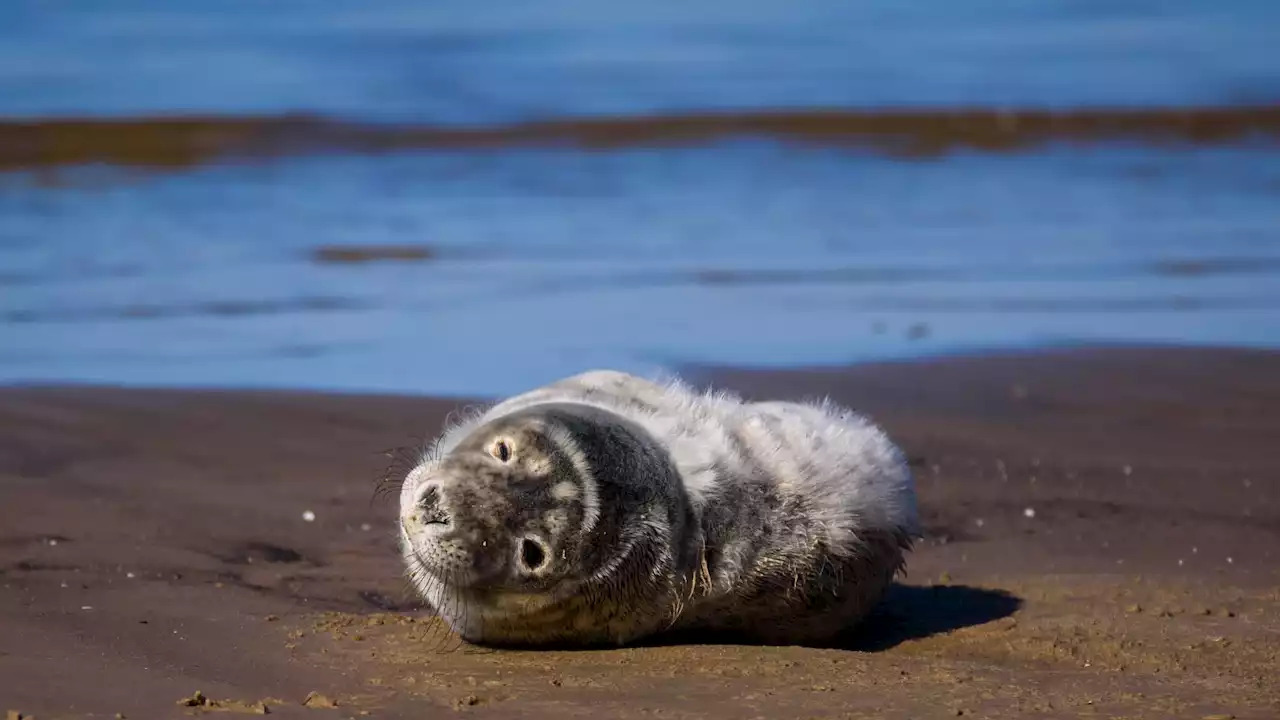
(854, 477)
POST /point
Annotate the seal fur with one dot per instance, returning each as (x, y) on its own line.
(655, 508)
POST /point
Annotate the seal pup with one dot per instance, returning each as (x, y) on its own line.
(605, 508)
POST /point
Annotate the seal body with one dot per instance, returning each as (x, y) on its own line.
(606, 508)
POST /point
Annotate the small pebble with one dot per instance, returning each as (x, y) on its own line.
(1029, 512)
(979, 522)
(1128, 470)
(366, 527)
(309, 516)
(129, 575)
(86, 607)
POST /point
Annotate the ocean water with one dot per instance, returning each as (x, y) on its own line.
(486, 270)
(471, 62)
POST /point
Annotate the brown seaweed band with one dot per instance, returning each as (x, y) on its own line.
(186, 140)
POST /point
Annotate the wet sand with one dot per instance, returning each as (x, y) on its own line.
(1103, 540)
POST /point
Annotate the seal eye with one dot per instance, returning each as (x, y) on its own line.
(532, 556)
(502, 451)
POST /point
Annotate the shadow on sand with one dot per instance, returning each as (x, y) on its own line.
(911, 612)
(908, 612)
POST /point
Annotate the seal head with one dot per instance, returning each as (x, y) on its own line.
(554, 521)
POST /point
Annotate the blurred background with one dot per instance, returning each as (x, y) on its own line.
(463, 198)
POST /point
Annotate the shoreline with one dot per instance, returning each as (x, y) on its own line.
(701, 373)
(152, 543)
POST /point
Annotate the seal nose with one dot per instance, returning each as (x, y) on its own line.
(429, 508)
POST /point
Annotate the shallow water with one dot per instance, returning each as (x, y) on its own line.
(514, 265)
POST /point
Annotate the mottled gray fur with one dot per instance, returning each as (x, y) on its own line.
(646, 507)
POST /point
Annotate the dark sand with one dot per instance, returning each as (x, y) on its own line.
(152, 544)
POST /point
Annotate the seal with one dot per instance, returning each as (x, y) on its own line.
(606, 509)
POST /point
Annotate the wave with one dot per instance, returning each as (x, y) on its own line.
(181, 141)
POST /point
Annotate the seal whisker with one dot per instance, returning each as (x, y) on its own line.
(399, 461)
(445, 640)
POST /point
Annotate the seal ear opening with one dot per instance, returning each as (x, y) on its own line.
(532, 555)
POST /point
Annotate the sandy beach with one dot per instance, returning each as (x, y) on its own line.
(1103, 540)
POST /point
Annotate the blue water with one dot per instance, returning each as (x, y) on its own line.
(545, 262)
(499, 61)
